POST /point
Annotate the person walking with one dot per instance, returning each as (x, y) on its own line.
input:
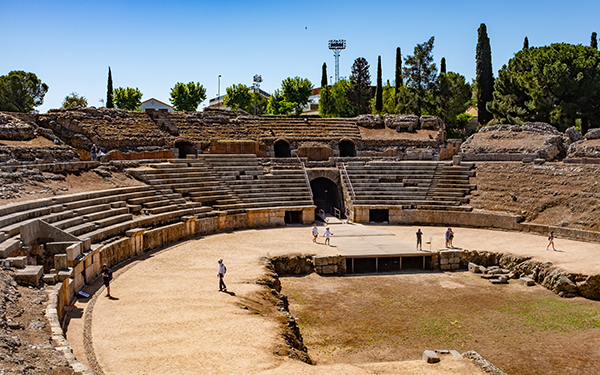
(347, 213)
(419, 239)
(107, 278)
(551, 241)
(94, 152)
(315, 232)
(449, 238)
(221, 275)
(327, 235)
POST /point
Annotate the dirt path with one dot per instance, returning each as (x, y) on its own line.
(168, 316)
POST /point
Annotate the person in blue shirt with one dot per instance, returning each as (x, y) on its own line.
(221, 275)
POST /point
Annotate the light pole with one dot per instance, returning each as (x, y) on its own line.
(219, 93)
(257, 80)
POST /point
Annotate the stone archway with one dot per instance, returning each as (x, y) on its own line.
(347, 148)
(185, 148)
(282, 149)
(326, 194)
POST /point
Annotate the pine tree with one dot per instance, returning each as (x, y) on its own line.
(485, 78)
(594, 42)
(109, 91)
(324, 76)
(379, 90)
(443, 65)
(398, 73)
(359, 92)
(526, 43)
(420, 73)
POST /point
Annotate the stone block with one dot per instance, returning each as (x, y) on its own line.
(456, 354)
(8, 247)
(320, 260)
(527, 281)
(489, 276)
(445, 267)
(527, 159)
(50, 278)
(496, 271)
(430, 356)
(135, 232)
(455, 266)
(73, 251)
(31, 275)
(65, 274)
(443, 261)
(18, 262)
(329, 270)
(474, 268)
(60, 262)
(3, 236)
(454, 260)
(482, 269)
(456, 159)
(539, 161)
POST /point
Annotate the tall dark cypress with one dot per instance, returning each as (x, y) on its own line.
(109, 91)
(379, 90)
(594, 42)
(485, 77)
(324, 76)
(526, 43)
(398, 73)
(443, 65)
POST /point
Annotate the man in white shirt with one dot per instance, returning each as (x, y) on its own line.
(315, 232)
(221, 274)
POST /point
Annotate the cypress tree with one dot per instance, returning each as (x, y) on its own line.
(485, 77)
(594, 42)
(398, 75)
(443, 65)
(324, 76)
(379, 90)
(526, 43)
(109, 91)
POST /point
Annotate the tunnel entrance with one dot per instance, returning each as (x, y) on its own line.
(325, 194)
(282, 149)
(185, 149)
(347, 149)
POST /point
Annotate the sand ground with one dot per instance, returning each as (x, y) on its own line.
(167, 315)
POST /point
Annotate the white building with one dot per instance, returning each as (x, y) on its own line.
(155, 104)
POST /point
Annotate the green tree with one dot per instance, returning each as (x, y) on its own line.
(324, 76)
(109, 91)
(278, 105)
(326, 102)
(359, 93)
(594, 42)
(239, 96)
(452, 96)
(295, 92)
(21, 91)
(187, 97)
(74, 100)
(398, 71)
(559, 84)
(338, 100)
(128, 98)
(484, 74)
(420, 73)
(379, 89)
(261, 104)
(525, 43)
(443, 66)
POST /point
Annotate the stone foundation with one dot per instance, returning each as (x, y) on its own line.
(329, 264)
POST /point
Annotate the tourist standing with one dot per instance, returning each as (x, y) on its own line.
(94, 152)
(221, 275)
(106, 277)
(327, 234)
(449, 237)
(551, 241)
(419, 239)
(315, 232)
(347, 213)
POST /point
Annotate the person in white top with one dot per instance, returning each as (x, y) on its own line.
(315, 232)
(221, 275)
(327, 234)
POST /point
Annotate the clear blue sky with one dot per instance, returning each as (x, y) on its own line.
(154, 44)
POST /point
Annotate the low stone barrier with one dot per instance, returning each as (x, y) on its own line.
(329, 264)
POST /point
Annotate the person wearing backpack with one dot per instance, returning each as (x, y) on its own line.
(220, 275)
(107, 277)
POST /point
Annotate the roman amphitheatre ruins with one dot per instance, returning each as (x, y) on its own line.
(176, 191)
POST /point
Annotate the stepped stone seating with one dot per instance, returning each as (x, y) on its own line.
(411, 185)
(254, 187)
(314, 130)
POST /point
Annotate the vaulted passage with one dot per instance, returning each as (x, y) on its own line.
(325, 194)
(347, 149)
(185, 149)
(282, 149)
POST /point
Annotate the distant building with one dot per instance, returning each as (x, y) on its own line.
(155, 104)
(312, 107)
(218, 101)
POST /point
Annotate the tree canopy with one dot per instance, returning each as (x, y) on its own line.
(293, 96)
(21, 91)
(452, 96)
(128, 98)
(359, 92)
(109, 91)
(334, 101)
(379, 89)
(558, 84)
(187, 97)
(74, 100)
(420, 74)
(238, 96)
(485, 76)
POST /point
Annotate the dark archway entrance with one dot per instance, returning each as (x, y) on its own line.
(282, 149)
(325, 194)
(347, 148)
(185, 149)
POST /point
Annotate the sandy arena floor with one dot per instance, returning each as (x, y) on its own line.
(167, 315)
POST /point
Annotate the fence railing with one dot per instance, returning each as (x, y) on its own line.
(337, 213)
(306, 178)
(349, 182)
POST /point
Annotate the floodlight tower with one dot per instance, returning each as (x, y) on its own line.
(337, 45)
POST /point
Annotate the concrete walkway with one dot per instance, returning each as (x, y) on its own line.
(168, 316)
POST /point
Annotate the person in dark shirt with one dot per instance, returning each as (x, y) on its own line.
(419, 239)
(107, 277)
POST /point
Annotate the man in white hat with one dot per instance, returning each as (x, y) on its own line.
(221, 275)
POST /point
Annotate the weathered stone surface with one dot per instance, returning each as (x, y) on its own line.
(18, 262)
(431, 122)
(31, 275)
(474, 268)
(430, 356)
(12, 128)
(60, 262)
(590, 287)
(320, 260)
(50, 278)
(489, 276)
(370, 121)
(527, 281)
(402, 122)
(560, 284)
(573, 134)
(293, 265)
(593, 133)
